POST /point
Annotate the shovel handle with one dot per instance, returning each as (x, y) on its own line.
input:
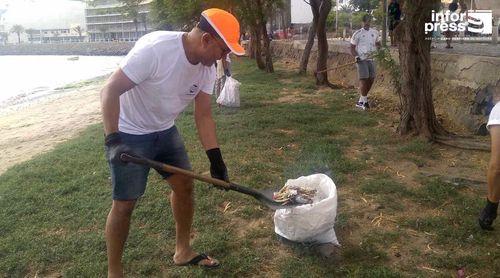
(172, 169)
(337, 67)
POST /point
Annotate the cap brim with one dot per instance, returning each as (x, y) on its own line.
(236, 48)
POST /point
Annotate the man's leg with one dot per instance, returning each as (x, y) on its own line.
(181, 200)
(364, 86)
(363, 92)
(117, 227)
(363, 74)
(182, 203)
(369, 84)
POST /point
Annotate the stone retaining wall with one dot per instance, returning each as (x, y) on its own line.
(94, 49)
(456, 79)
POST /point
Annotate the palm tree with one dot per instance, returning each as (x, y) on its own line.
(130, 9)
(18, 29)
(79, 30)
(348, 8)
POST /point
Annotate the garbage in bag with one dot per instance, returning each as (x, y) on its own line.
(230, 94)
(310, 222)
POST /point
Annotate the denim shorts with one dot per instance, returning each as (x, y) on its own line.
(129, 180)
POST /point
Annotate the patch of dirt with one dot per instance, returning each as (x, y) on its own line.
(37, 127)
(296, 96)
(289, 132)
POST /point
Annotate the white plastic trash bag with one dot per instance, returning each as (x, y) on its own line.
(311, 222)
(230, 95)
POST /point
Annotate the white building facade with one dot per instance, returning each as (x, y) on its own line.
(105, 21)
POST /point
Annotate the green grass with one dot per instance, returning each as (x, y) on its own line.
(53, 207)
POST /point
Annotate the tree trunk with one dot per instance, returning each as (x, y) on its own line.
(384, 24)
(417, 111)
(267, 49)
(256, 38)
(251, 46)
(323, 11)
(307, 50)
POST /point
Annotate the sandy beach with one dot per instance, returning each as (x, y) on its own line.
(36, 127)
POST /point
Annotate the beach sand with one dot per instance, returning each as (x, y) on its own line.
(37, 126)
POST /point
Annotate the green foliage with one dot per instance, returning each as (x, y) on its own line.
(179, 13)
(384, 59)
(345, 19)
(365, 5)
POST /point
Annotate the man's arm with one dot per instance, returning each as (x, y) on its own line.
(117, 84)
(204, 121)
(206, 131)
(494, 167)
(353, 50)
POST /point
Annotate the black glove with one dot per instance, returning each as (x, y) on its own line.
(218, 169)
(227, 72)
(488, 215)
(358, 59)
(115, 147)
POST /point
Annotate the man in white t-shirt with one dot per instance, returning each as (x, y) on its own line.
(160, 76)
(489, 212)
(364, 43)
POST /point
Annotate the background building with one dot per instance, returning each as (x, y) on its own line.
(55, 35)
(106, 20)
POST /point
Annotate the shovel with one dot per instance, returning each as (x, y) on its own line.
(263, 196)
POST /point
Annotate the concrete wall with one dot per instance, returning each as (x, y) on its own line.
(456, 79)
(96, 49)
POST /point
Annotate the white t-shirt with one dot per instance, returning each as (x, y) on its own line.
(494, 116)
(166, 83)
(365, 40)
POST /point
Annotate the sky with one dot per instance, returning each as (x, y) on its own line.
(44, 14)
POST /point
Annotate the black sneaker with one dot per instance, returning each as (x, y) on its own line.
(366, 105)
(487, 216)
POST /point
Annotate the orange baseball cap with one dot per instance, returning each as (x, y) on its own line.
(225, 25)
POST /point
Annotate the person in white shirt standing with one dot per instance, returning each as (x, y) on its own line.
(160, 76)
(489, 212)
(364, 42)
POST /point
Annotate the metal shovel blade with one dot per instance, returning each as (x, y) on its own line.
(264, 196)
